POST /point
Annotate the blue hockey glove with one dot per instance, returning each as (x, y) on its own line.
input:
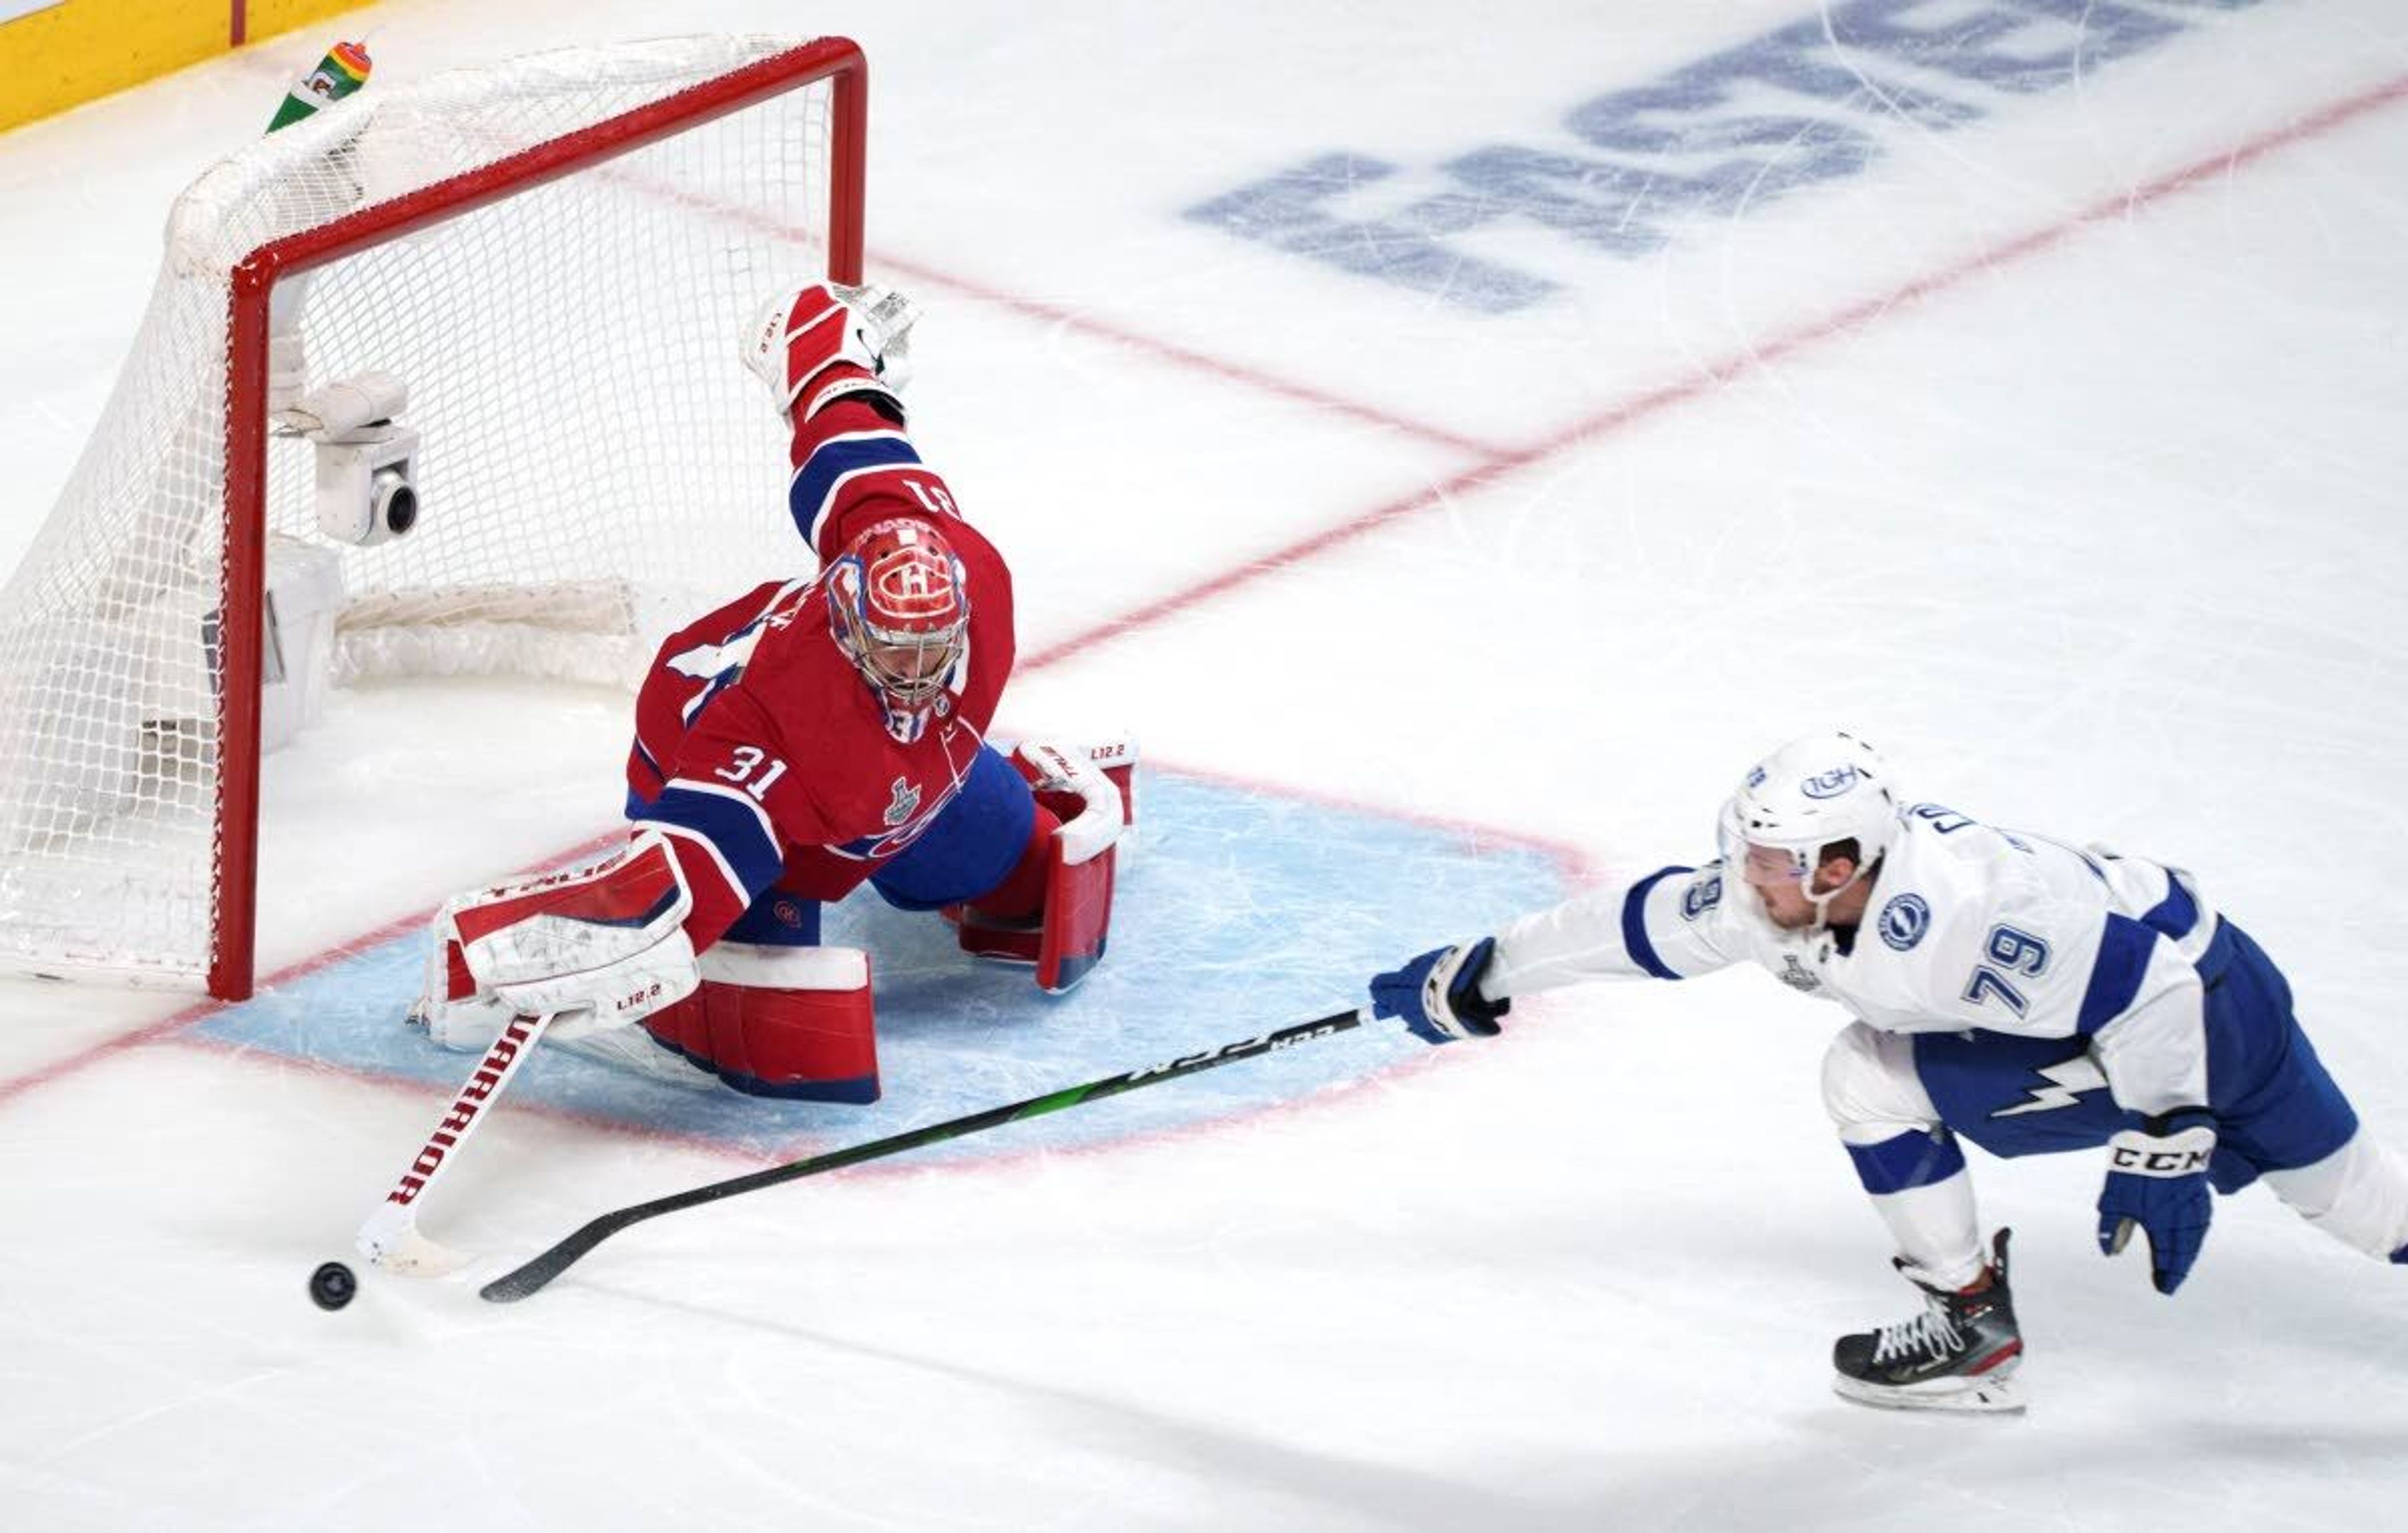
(1437, 993)
(2157, 1179)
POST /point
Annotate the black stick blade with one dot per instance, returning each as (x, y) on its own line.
(530, 1277)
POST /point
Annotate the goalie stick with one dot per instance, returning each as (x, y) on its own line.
(390, 1236)
(518, 1284)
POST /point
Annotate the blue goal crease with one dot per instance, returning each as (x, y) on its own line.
(1241, 911)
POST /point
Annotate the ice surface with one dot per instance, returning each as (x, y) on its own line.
(2054, 447)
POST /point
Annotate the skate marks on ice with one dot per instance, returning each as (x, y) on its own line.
(1244, 910)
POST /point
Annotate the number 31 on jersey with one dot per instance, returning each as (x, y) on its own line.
(745, 770)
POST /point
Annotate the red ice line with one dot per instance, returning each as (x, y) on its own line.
(1497, 464)
(186, 1016)
(1068, 318)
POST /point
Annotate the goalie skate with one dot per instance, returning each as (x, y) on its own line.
(1960, 1354)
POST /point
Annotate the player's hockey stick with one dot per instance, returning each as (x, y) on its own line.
(389, 1238)
(518, 1285)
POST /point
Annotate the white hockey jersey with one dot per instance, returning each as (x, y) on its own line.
(1967, 927)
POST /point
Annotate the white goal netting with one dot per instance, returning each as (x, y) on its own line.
(595, 459)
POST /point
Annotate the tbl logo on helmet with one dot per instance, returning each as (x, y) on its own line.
(1903, 921)
(1830, 784)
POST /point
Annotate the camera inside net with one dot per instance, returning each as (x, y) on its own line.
(367, 460)
(368, 492)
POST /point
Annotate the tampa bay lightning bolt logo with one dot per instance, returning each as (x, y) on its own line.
(1903, 921)
(1702, 894)
(1830, 784)
(2066, 1081)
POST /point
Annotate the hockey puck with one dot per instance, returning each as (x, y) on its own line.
(332, 1285)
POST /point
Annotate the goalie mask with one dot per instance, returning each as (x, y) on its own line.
(900, 607)
(1805, 797)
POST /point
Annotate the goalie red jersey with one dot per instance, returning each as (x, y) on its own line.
(807, 732)
(807, 737)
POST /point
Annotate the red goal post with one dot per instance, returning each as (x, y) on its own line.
(485, 236)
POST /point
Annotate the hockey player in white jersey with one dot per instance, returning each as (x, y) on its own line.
(2019, 991)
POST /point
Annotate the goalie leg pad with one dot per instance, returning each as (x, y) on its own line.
(1116, 758)
(1066, 937)
(1094, 805)
(797, 1024)
(1020, 898)
(1090, 794)
(1078, 918)
(1007, 923)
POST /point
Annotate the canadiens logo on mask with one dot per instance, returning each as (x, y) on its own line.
(913, 585)
(902, 616)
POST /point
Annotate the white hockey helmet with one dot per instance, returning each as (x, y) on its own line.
(1807, 795)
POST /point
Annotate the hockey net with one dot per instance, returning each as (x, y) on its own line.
(557, 256)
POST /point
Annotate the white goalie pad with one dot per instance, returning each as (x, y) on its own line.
(755, 966)
(1057, 769)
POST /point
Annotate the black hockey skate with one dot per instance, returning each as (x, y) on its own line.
(1960, 1355)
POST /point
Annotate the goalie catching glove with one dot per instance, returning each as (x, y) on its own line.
(832, 340)
(599, 947)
